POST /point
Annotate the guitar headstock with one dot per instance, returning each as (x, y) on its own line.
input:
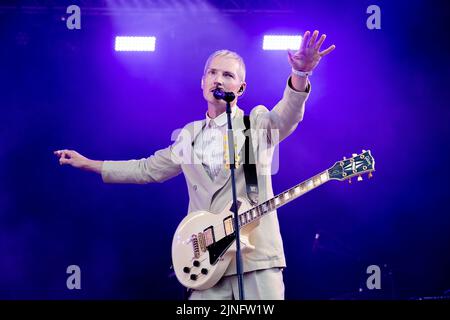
(357, 165)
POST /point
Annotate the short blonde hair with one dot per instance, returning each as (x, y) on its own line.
(228, 54)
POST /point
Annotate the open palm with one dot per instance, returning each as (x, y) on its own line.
(308, 56)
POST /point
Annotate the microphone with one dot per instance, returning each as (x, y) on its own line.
(219, 94)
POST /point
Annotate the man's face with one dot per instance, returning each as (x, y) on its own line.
(221, 73)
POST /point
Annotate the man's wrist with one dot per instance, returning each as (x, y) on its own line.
(299, 84)
(93, 165)
(302, 74)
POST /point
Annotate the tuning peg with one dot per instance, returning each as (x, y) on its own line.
(344, 158)
(370, 175)
(363, 150)
(354, 154)
(350, 181)
(360, 178)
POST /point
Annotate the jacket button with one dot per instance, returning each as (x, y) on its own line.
(195, 187)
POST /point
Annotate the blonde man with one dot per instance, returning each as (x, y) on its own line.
(208, 182)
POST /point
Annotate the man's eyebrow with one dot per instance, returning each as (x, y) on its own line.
(224, 71)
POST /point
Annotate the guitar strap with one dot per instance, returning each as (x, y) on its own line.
(251, 178)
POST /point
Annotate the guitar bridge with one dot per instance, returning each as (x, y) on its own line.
(195, 246)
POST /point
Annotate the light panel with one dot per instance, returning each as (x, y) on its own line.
(133, 43)
(281, 42)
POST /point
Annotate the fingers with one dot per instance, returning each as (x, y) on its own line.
(64, 161)
(313, 38)
(65, 156)
(305, 40)
(319, 43)
(61, 153)
(327, 50)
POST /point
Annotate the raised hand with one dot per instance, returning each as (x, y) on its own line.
(308, 56)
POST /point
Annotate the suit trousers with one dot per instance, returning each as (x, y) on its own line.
(266, 284)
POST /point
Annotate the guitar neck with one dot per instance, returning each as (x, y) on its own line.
(281, 199)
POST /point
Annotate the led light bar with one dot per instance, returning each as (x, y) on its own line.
(135, 43)
(281, 42)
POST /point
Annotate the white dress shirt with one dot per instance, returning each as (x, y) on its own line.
(208, 145)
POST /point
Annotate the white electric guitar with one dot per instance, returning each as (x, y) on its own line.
(204, 243)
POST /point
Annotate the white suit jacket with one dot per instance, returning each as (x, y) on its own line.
(205, 194)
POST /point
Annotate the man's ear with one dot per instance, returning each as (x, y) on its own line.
(242, 88)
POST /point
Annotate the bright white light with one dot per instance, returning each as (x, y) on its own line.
(135, 43)
(281, 42)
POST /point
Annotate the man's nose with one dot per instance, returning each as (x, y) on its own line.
(218, 80)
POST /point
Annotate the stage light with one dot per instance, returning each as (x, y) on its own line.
(135, 43)
(281, 42)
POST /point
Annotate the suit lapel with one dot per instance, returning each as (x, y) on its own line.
(239, 127)
(195, 131)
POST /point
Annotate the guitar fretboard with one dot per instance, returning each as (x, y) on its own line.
(281, 199)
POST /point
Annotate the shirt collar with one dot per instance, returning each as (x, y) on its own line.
(221, 120)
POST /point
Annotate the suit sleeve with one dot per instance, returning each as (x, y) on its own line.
(284, 117)
(157, 168)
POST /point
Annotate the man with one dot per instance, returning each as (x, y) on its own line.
(209, 183)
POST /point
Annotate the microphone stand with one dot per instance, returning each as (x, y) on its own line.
(232, 158)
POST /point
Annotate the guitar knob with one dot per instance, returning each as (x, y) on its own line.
(193, 277)
(360, 178)
(204, 271)
(196, 263)
(186, 269)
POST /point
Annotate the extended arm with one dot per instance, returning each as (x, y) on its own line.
(288, 112)
(156, 168)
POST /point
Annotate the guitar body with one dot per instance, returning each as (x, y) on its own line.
(204, 244)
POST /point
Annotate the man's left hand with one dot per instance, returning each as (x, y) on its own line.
(309, 54)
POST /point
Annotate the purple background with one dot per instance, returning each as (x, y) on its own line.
(383, 90)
